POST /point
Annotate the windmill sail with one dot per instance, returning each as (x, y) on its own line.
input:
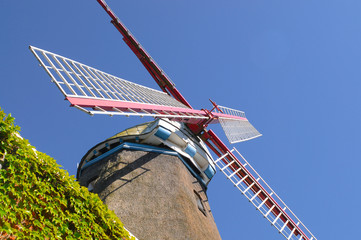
(96, 92)
(261, 195)
(247, 180)
(238, 128)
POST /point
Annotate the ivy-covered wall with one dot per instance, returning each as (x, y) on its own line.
(38, 200)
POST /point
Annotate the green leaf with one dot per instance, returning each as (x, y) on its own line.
(2, 212)
(44, 198)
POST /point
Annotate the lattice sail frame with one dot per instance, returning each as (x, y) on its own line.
(96, 92)
(247, 180)
(237, 129)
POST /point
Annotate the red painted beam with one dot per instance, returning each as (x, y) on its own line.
(108, 104)
(155, 71)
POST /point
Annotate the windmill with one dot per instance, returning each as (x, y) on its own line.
(177, 125)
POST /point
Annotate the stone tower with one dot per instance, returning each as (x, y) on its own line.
(156, 191)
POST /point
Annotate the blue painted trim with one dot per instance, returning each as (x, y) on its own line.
(192, 171)
(190, 150)
(210, 171)
(146, 148)
(163, 133)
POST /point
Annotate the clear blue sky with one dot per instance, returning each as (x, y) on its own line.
(294, 67)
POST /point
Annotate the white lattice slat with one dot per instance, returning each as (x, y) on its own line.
(75, 79)
(236, 129)
(261, 195)
(107, 94)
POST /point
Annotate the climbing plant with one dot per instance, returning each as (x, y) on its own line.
(39, 200)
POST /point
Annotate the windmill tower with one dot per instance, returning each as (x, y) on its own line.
(163, 167)
(151, 183)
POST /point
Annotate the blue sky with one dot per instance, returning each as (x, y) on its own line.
(292, 66)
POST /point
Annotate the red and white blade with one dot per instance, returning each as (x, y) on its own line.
(251, 185)
(235, 125)
(96, 92)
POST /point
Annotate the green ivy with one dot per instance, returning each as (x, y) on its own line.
(38, 200)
